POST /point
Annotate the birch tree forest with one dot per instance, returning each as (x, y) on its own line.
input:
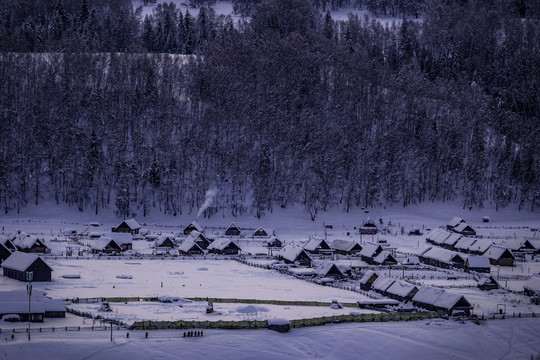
(103, 108)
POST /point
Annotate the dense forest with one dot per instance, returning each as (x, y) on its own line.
(102, 107)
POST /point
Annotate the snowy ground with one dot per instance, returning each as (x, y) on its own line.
(133, 312)
(189, 278)
(497, 339)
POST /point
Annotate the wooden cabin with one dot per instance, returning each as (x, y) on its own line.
(263, 232)
(500, 256)
(367, 280)
(479, 264)
(368, 227)
(193, 226)
(105, 246)
(31, 244)
(370, 251)
(317, 246)
(190, 248)
(328, 269)
(224, 247)
(345, 247)
(402, 291)
(385, 258)
(19, 263)
(464, 229)
(199, 238)
(488, 283)
(128, 226)
(232, 230)
(454, 222)
(292, 254)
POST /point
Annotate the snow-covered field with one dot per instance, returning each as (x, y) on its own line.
(434, 339)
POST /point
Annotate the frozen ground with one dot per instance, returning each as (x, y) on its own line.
(439, 339)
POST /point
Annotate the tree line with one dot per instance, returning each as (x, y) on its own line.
(287, 107)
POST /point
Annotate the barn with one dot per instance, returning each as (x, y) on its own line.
(193, 226)
(345, 247)
(232, 230)
(19, 263)
(293, 254)
(478, 263)
(31, 244)
(224, 247)
(500, 256)
(317, 246)
(189, 247)
(128, 226)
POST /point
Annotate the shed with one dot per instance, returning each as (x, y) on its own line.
(478, 263)
(385, 258)
(19, 263)
(224, 247)
(488, 283)
(367, 280)
(317, 246)
(293, 254)
(193, 226)
(345, 247)
(128, 226)
(500, 256)
(232, 230)
(189, 247)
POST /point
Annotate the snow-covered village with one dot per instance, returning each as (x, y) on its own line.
(269, 179)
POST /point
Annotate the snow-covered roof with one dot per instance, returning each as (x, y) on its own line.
(188, 245)
(7, 242)
(195, 235)
(464, 243)
(535, 244)
(27, 242)
(324, 268)
(102, 243)
(487, 280)
(132, 224)
(383, 256)
(368, 274)
(344, 245)
(291, 252)
(438, 236)
(220, 244)
(233, 226)
(20, 307)
(302, 271)
(382, 283)
(370, 249)
(447, 300)
(452, 239)
(401, 288)
(442, 255)
(196, 225)
(314, 244)
(267, 231)
(120, 238)
(278, 322)
(462, 226)
(478, 262)
(21, 261)
(456, 221)
(533, 284)
(496, 252)
(427, 295)
(481, 245)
